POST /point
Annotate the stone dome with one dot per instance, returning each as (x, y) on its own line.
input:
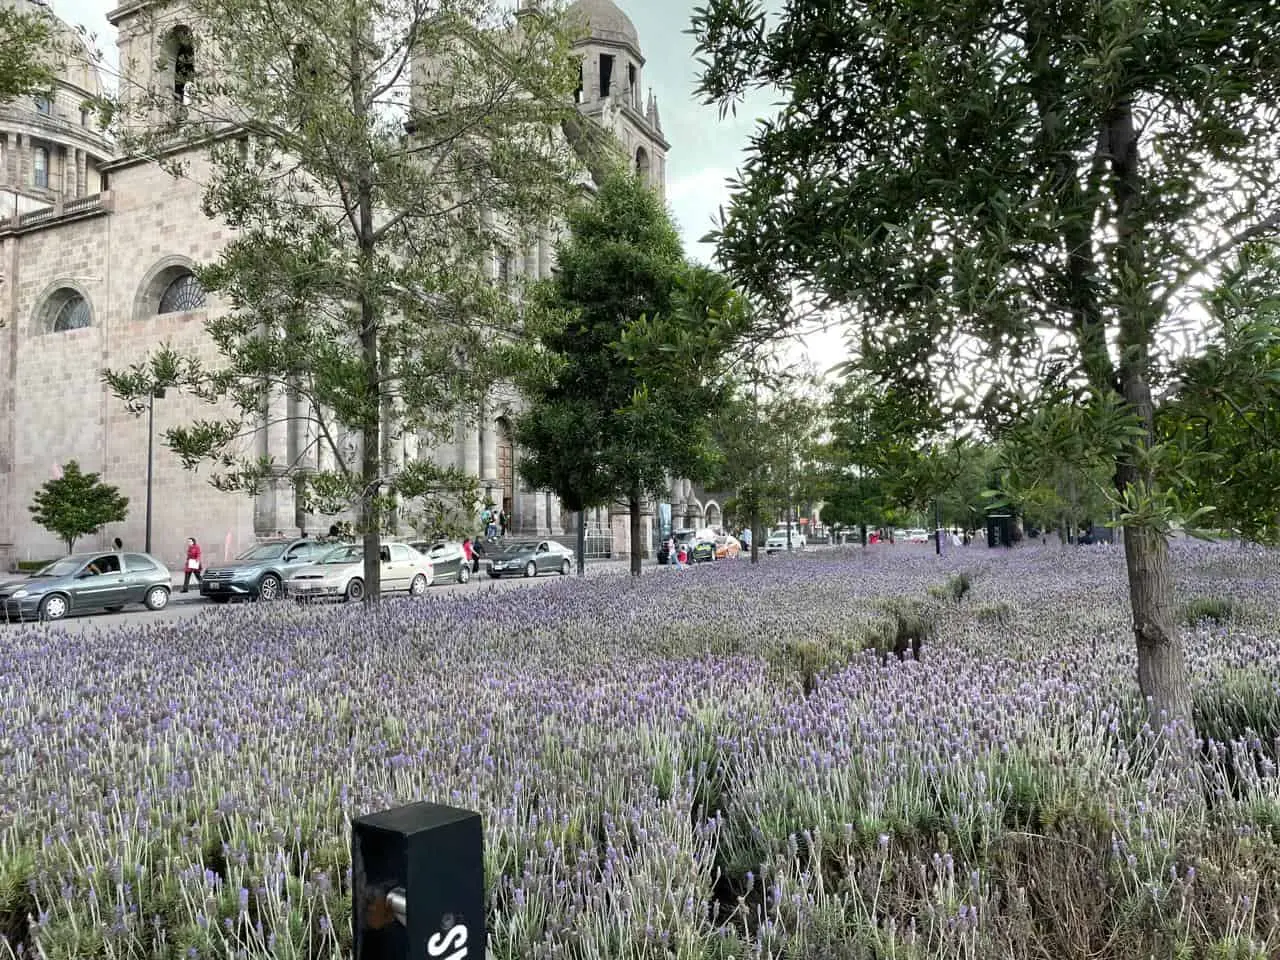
(606, 22)
(78, 70)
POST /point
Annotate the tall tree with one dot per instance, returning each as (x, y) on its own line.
(1004, 175)
(30, 45)
(360, 279)
(627, 370)
(76, 504)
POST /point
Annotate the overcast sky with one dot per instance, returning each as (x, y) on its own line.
(704, 149)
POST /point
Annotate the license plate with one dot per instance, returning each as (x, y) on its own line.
(217, 586)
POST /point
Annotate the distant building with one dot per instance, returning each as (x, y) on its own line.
(96, 258)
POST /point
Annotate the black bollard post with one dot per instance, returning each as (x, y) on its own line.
(418, 884)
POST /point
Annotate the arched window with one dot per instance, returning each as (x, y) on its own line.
(180, 50)
(71, 312)
(43, 106)
(182, 295)
(642, 164)
(40, 167)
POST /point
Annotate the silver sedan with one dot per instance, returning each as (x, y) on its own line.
(340, 573)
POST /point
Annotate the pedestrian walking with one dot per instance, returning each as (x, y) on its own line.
(503, 521)
(192, 566)
(119, 544)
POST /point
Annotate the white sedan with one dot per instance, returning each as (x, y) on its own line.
(340, 573)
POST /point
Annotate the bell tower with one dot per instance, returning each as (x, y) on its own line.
(160, 62)
(611, 89)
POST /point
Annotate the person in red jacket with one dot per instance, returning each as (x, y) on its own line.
(192, 565)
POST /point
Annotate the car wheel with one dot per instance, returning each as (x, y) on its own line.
(269, 588)
(157, 598)
(355, 590)
(464, 573)
(531, 569)
(565, 568)
(54, 607)
(418, 587)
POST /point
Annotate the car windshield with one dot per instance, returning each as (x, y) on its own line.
(684, 536)
(523, 546)
(61, 568)
(347, 553)
(264, 551)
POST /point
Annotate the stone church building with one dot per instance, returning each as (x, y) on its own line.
(96, 257)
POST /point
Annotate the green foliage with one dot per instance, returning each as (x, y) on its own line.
(958, 586)
(1217, 610)
(767, 438)
(359, 279)
(1222, 424)
(77, 504)
(626, 371)
(29, 46)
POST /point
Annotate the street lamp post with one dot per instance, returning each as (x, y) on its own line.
(156, 394)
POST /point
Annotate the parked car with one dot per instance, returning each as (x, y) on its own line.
(530, 558)
(448, 560)
(340, 573)
(778, 540)
(918, 536)
(260, 571)
(88, 581)
(728, 548)
(686, 536)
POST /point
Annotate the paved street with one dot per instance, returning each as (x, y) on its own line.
(183, 606)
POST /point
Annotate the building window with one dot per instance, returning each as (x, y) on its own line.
(642, 164)
(43, 106)
(71, 312)
(84, 117)
(504, 267)
(183, 295)
(577, 94)
(181, 52)
(631, 81)
(606, 74)
(40, 167)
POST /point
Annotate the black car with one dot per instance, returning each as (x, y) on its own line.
(687, 537)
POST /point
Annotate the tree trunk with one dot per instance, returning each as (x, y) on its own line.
(371, 408)
(1162, 666)
(633, 506)
(582, 543)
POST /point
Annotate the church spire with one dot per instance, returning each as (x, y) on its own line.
(651, 112)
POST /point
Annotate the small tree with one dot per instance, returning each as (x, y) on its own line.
(77, 504)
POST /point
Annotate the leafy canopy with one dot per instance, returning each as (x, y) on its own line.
(30, 42)
(77, 504)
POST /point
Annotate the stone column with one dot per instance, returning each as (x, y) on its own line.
(555, 522)
(489, 451)
(545, 256)
(22, 154)
(468, 447)
(82, 174)
(540, 523)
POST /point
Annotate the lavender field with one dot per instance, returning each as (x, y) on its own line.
(729, 763)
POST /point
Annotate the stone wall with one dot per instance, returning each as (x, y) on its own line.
(55, 407)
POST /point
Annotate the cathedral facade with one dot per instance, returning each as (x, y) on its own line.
(96, 270)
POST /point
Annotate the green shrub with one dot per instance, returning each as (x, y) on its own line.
(959, 586)
(1216, 610)
(994, 613)
(903, 628)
